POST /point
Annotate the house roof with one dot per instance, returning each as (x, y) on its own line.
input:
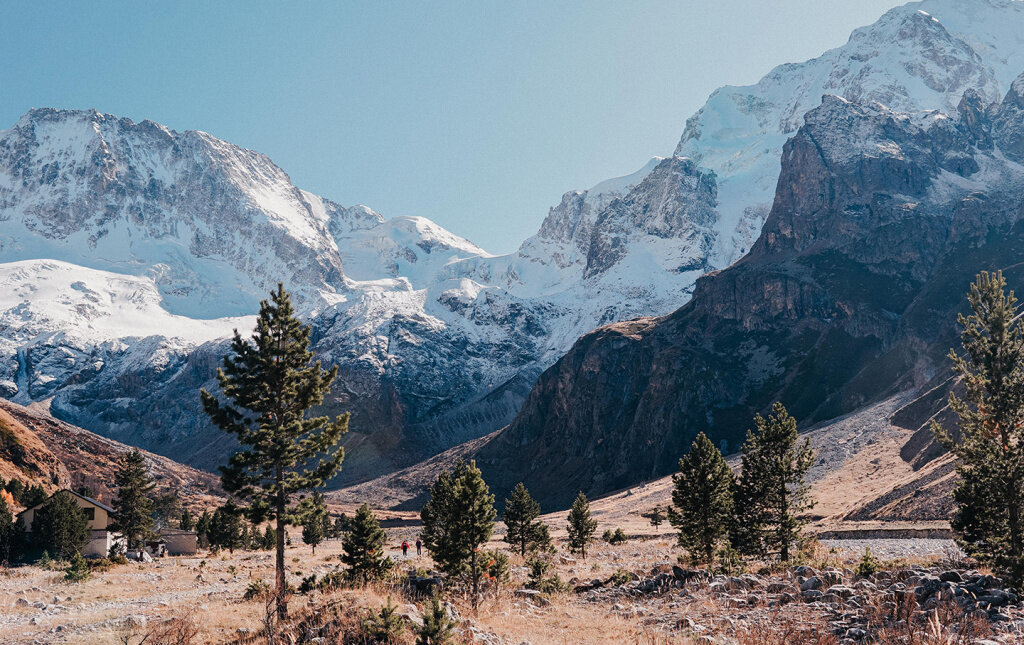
(92, 501)
(68, 490)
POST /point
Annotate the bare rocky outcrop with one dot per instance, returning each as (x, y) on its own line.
(880, 221)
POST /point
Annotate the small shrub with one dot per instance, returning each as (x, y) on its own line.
(77, 569)
(607, 535)
(437, 627)
(869, 565)
(620, 577)
(540, 580)
(618, 537)
(308, 584)
(384, 627)
(116, 552)
(99, 564)
(331, 580)
(730, 562)
(257, 589)
(45, 561)
(497, 566)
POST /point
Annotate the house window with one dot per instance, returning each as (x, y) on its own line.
(90, 513)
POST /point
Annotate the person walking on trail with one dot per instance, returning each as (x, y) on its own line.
(405, 548)
(419, 547)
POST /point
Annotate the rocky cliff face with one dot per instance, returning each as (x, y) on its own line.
(880, 220)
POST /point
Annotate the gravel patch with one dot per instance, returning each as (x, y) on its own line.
(892, 548)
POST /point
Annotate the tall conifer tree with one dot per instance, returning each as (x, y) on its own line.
(133, 507)
(581, 526)
(702, 499)
(459, 520)
(523, 530)
(989, 497)
(8, 534)
(271, 383)
(776, 497)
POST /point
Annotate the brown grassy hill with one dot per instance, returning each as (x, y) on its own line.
(25, 457)
(58, 454)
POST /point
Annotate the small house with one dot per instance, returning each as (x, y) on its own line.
(179, 542)
(98, 518)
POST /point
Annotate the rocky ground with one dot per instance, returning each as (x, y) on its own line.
(632, 593)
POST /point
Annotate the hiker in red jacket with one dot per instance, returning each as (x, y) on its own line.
(405, 548)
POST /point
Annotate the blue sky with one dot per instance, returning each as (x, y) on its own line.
(478, 115)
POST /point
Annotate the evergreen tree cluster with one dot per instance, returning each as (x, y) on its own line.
(26, 495)
(762, 511)
(458, 521)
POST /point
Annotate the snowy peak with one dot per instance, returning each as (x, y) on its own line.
(676, 201)
(213, 224)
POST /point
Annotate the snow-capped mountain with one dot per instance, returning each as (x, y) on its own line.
(920, 56)
(130, 251)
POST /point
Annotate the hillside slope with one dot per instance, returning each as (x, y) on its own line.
(68, 456)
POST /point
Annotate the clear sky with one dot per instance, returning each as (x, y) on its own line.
(476, 114)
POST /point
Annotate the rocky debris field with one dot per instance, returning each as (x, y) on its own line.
(888, 606)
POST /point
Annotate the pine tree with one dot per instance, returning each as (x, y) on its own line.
(581, 526)
(523, 530)
(315, 520)
(363, 547)
(7, 532)
(989, 497)
(656, 516)
(33, 495)
(437, 627)
(133, 508)
(702, 499)
(269, 539)
(245, 540)
(203, 528)
(458, 520)
(748, 519)
(271, 384)
(59, 527)
(166, 507)
(185, 523)
(226, 526)
(340, 526)
(777, 498)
